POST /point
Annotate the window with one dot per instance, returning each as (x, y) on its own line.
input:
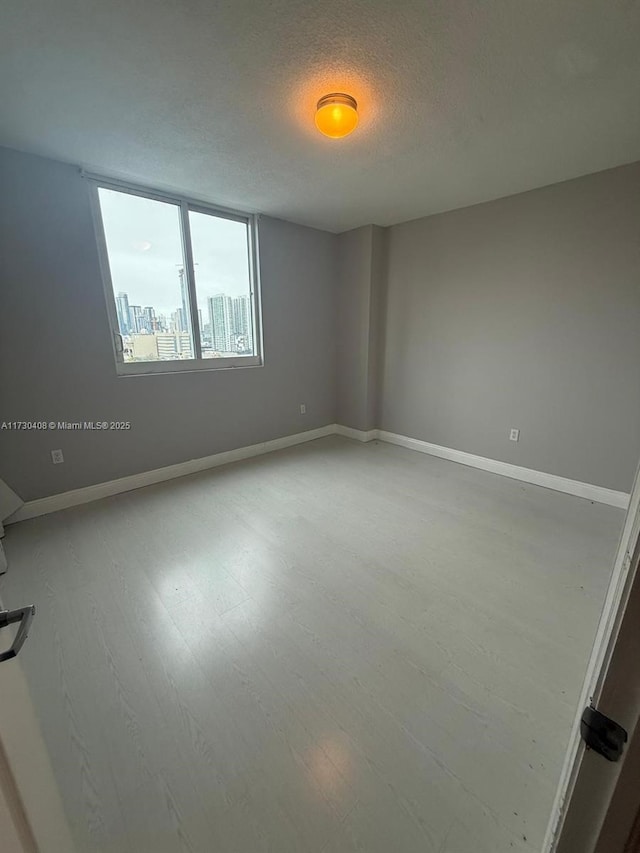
(179, 280)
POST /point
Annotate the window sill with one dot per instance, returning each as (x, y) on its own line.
(150, 368)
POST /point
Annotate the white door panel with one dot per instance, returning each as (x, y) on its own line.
(612, 684)
(31, 814)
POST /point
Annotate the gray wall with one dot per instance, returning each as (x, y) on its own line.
(359, 324)
(56, 361)
(523, 312)
(352, 325)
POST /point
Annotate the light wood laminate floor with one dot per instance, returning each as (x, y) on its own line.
(334, 648)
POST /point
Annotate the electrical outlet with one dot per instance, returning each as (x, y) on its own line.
(303, 409)
(514, 435)
(57, 457)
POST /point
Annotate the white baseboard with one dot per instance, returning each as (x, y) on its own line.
(515, 472)
(53, 503)
(357, 434)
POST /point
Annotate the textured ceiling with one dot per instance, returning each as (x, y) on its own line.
(460, 101)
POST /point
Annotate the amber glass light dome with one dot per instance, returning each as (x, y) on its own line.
(337, 115)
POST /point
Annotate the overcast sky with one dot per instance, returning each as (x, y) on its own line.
(145, 252)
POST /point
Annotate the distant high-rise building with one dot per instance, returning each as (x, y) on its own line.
(122, 310)
(183, 311)
(136, 318)
(149, 318)
(221, 320)
(174, 346)
(180, 320)
(242, 324)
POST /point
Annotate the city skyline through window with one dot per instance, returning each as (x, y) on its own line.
(152, 295)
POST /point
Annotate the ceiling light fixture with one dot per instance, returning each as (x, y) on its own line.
(337, 115)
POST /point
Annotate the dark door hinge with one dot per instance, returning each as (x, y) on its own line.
(602, 734)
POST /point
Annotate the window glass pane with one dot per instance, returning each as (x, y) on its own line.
(223, 285)
(144, 244)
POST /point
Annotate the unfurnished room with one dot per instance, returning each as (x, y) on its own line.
(319, 426)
